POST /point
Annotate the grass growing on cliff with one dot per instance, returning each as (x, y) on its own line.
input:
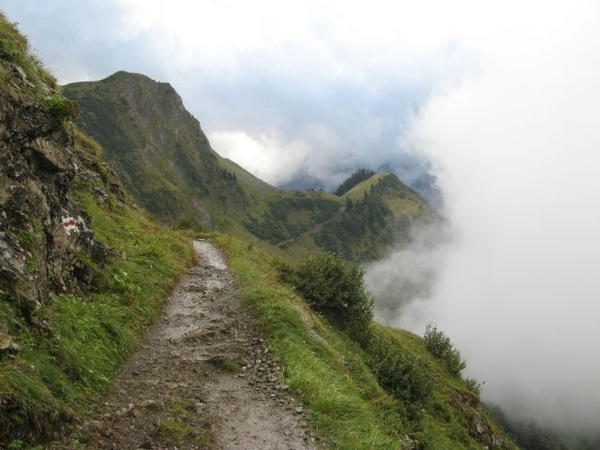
(14, 48)
(84, 337)
(183, 426)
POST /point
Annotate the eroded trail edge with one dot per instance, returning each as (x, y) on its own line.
(201, 380)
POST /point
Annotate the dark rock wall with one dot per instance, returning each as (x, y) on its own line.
(43, 232)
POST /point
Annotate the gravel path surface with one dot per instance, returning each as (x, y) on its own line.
(201, 380)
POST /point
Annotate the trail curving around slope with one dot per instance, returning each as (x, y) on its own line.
(201, 380)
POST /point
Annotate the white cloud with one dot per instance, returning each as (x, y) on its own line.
(517, 150)
(265, 155)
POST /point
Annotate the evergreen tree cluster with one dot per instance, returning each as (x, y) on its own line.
(356, 177)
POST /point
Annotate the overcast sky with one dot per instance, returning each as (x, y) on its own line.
(286, 89)
(502, 97)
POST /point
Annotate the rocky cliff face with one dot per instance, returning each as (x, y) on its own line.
(46, 241)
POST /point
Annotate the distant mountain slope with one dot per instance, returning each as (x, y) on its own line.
(379, 212)
(157, 147)
(159, 150)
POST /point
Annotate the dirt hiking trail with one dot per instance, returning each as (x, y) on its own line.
(201, 380)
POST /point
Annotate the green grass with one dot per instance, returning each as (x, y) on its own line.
(84, 337)
(331, 374)
(349, 409)
(362, 188)
(182, 427)
(14, 48)
(399, 198)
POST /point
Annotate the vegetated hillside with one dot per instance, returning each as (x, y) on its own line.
(368, 386)
(358, 176)
(160, 151)
(359, 225)
(82, 270)
(379, 212)
(158, 148)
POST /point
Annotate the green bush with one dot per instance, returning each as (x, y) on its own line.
(408, 378)
(439, 345)
(61, 107)
(475, 386)
(187, 222)
(335, 289)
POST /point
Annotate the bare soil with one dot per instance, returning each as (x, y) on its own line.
(201, 380)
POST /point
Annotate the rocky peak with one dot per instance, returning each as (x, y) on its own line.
(147, 97)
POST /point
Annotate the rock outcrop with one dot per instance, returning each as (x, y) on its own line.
(46, 242)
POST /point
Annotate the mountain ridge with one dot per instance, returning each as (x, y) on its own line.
(145, 129)
(84, 272)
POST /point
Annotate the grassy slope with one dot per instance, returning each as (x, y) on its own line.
(55, 374)
(329, 371)
(349, 407)
(358, 191)
(384, 209)
(408, 202)
(72, 346)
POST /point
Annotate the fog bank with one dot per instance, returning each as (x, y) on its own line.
(517, 153)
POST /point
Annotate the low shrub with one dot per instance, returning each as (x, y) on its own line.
(335, 289)
(61, 107)
(439, 345)
(475, 386)
(405, 376)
